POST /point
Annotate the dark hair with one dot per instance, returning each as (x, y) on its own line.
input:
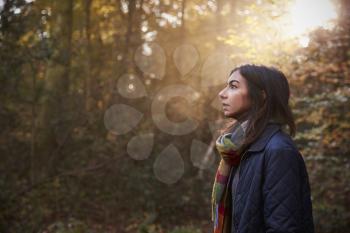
(274, 85)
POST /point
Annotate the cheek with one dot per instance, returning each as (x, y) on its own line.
(246, 101)
(241, 102)
(241, 98)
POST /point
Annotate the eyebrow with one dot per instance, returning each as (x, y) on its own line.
(232, 81)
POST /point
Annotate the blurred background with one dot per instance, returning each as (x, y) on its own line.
(109, 108)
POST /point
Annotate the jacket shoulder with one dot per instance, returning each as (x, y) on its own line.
(281, 141)
(282, 150)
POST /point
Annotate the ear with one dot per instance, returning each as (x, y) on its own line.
(264, 94)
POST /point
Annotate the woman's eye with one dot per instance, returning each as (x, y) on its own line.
(233, 87)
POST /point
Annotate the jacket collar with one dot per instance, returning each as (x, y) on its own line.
(270, 129)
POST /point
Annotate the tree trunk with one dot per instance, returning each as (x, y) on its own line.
(53, 117)
(131, 39)
(345, 14)
(90, 80)
(345, 25)
(183, 7)
(131, 11)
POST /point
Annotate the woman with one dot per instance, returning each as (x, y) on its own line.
(261, 184)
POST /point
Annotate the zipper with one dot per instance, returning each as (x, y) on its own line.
(235, 190)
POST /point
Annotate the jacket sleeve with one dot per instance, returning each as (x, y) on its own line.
(282, 191)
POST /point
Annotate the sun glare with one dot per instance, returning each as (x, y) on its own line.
(310, 14)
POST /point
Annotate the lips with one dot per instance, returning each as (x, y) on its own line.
(225, 105)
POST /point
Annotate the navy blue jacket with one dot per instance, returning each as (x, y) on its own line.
(270, 188)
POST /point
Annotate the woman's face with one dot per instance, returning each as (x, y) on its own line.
(234, 97)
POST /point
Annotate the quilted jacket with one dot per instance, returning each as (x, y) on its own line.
(270, 188)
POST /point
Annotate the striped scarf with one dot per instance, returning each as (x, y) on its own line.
(227, 145)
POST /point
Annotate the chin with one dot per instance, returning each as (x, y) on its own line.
(229, 114)
(234, 115)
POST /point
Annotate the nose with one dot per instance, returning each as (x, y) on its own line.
(222, 94)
